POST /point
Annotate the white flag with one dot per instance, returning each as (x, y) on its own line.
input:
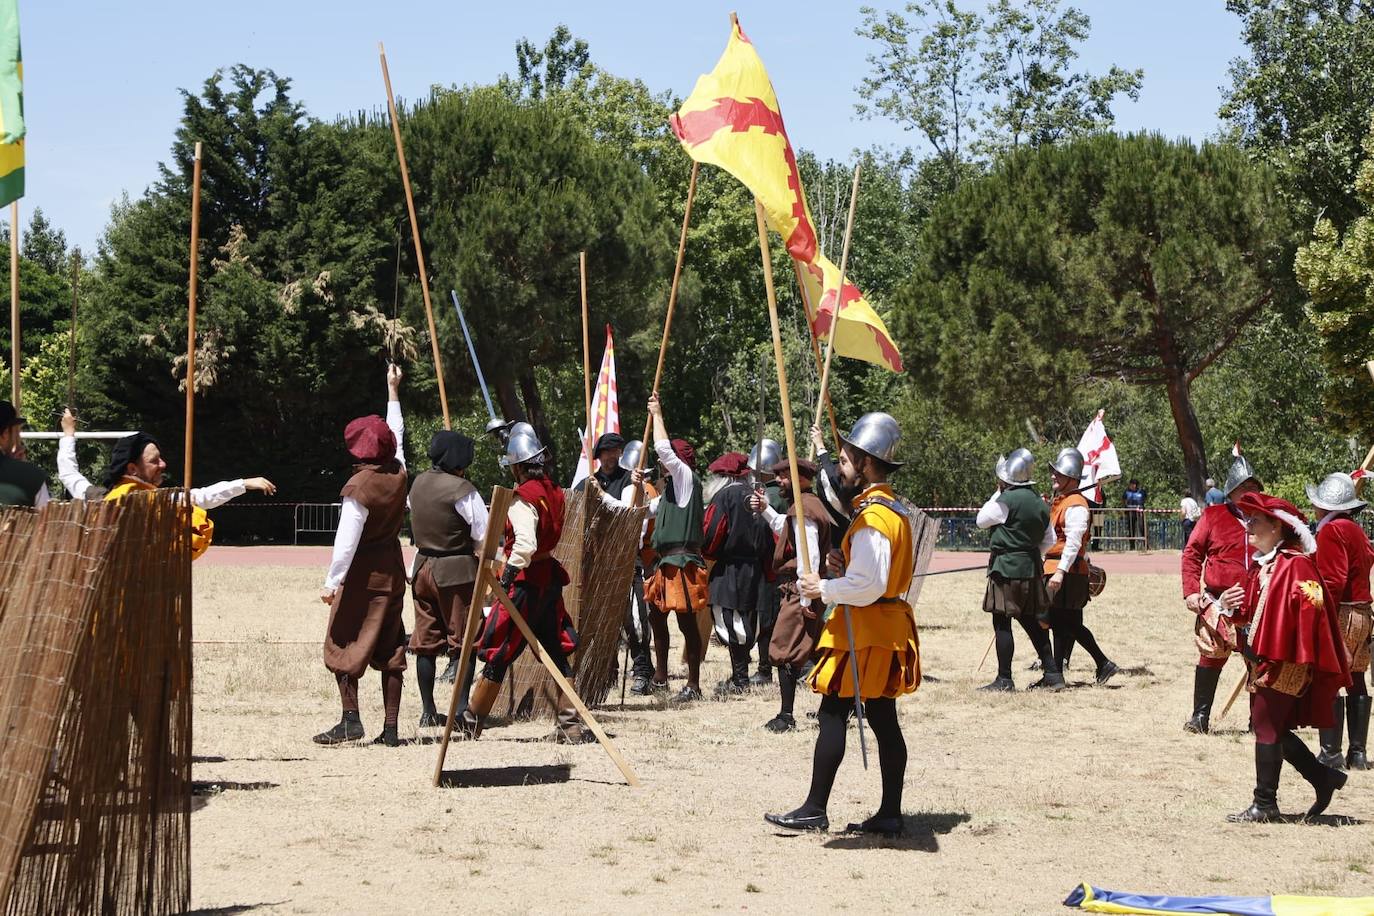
(1099, 456)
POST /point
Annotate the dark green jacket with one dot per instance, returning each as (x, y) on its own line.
(678, 531)
(19, 482)
(1016, 542)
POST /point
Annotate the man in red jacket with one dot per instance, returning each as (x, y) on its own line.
(1344, 558)
(1214, 559)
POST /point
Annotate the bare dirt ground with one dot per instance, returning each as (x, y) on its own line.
(1010, 799)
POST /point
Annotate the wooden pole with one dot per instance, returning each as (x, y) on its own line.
(803, 548)
(586, 360)
(1235, 693)
(415, 234)
(839, 296)
(191, 321)
(984, 659)
(14, 304)
(668, 321)
(816, 350)
(71, 349)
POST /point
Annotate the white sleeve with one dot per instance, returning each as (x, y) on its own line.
(352, 516)
(775, 519)
(865, 577)
(68, 472)
(993, 513)
(653, 505)
(677, 470)
(41, 498)
(828, 494)
(1075, 526)
(813, 545)
(524, 520)
(217, 494)
(474, 512)
(1048, 539)
(397, 424)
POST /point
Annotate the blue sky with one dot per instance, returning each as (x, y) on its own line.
(101, 87)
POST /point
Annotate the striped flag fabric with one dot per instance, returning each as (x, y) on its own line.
(605, 407)
(1097, 900)
(732, 120)
(11, 105)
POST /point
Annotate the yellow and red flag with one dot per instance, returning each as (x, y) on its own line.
(732, 120)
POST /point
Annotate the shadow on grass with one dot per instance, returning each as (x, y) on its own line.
(1324, 820)
(204, 790)
(233, 908)
(217, 759)
(920, 833)
(505, 777)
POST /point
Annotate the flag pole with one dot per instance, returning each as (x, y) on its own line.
(839, 296)
(415, 235)
(816, 350)
(71, 349)
(803, 547)
(191, 320)
(14, 303)
(586, 359)
(668, 319)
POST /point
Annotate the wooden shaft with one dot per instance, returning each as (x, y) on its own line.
(586, 359)
(1240, 685)
(803, 548)
(500, 505)
(839, 294)
(191, 320)
(71, 333)
(668, 320)
(984, 659)
(816, 352)
(14, 304)
(415, 234)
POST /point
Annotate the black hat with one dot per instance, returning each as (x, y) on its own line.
(608, 440)
(9, 416)
(126, 451)
(450, 451)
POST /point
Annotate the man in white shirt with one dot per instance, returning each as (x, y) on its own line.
(1189, 512)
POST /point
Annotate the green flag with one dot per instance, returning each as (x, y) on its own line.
(11, 105)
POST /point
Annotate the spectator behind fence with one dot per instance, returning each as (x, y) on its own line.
(1214, 496)
(1134, 500)
(1190, 512)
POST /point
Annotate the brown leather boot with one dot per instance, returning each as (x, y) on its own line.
(568, 728)
(484, 693)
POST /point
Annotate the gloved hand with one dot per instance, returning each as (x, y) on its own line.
(508, 577)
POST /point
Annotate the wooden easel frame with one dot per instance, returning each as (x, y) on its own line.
(489, 579)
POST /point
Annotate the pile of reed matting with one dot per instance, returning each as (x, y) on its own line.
(95, 707)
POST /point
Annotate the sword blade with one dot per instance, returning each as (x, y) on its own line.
(472, 351)
(854, 670)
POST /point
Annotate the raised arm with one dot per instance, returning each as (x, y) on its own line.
(68, 471)
(394, 421)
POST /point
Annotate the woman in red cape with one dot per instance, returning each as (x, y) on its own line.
(1294, 650)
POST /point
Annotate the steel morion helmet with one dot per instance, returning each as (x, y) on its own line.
(523, 446)
(1069, 463)
(1015, 469)
(1240, 472)
(629, 456)
(764, 455)
(1336, 493)
(876, 434)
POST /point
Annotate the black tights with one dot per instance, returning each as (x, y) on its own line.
(1357, 686)
(880, 714)
(1067, 626)
(787, 688)
(1006, 644)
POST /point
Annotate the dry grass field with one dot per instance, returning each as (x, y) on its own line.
(1010, 799)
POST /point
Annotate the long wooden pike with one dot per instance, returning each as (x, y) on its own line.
(816, 351)
(415, 236)
(638, 494)
(839, 297)
(191, 323)
(71, 349)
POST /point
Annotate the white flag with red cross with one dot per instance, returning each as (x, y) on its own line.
(1100, 461)
(605, 408)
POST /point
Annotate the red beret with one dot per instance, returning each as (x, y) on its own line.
(370, 440)
(1282, 511)
(683, 449)
(731, 464)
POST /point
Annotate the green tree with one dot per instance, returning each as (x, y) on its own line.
(1131, 257)
(1301, 100)
(1337, 270)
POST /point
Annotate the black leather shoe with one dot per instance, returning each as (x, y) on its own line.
(1332, 780)
(639, 687)
(780, 723)
(1256, 814)
(1198, 724)
(1001, 685)
(1052, 682)
(878, 826)
(800, 822)
(342, 733)
(450, 672)
(433, 720)
(388, 737)
(688, 694)
(761, 677)
(731, 688)
(1108, 670)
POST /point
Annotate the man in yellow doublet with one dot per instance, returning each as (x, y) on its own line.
(879, 560)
